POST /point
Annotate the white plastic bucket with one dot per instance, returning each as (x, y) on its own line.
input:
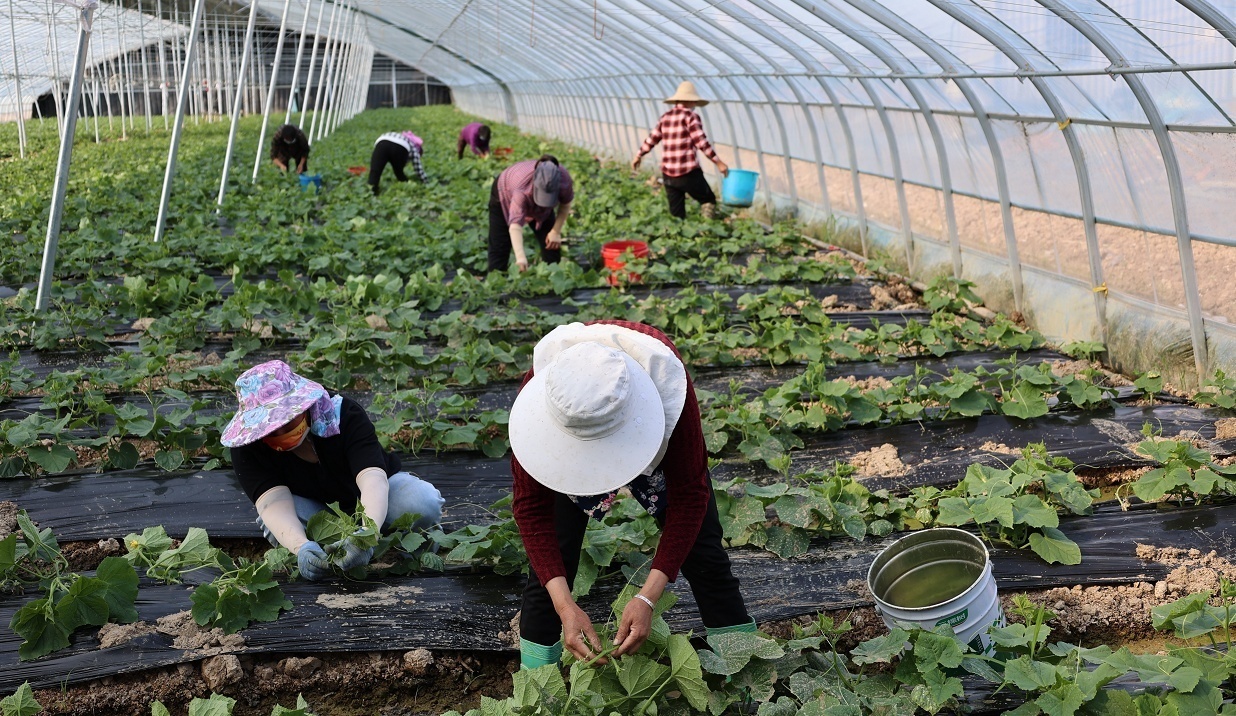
(909, 571)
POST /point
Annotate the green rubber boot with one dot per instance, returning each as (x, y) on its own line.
(747, 628)
(533, 655)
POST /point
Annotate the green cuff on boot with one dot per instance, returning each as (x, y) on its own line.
(533, 655)
(747, 628)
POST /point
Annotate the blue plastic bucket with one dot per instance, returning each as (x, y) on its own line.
(738, 187)
(314, 179)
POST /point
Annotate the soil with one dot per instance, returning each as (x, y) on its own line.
(895, 296)
(999, 448)
(1110, 477)
(871, 383)
(882, 461)
(1114, 615)
(85, 556)
(8, 518)
(1225, 429)
(414, 683)
(1067, 368)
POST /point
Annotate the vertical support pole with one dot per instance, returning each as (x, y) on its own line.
(313, 56)
(85, 19)
(181, 97)
(94, 84)
(327, 57)
(300, 51)
(20, 105)
(237, 104)
(55, 38)
(274, 77)
(145, 67)
(162, 69)
(394, 87)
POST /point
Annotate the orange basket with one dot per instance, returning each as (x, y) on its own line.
(503, 151)
(357, 171)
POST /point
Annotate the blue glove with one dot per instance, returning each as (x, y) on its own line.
(353, 555)
(313, 562)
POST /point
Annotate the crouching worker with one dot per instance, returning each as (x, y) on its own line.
(476, 137)
(290, 148)
(296, 449)
(396, 149)
(609, 405)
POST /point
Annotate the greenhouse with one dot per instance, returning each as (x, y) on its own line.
(864, 357)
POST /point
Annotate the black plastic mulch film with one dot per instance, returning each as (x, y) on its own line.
(462, 610)
(469, 611)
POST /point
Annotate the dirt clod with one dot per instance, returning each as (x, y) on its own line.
(882, 461)
(1225, 429)
(186, 634)
(417, 661)
(299, 667)
(8, 518)
(999, 448)
(114, 634)
(220, 671)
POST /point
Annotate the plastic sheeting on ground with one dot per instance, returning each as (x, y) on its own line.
(471, 610)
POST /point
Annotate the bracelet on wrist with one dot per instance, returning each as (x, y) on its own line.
(647, 601)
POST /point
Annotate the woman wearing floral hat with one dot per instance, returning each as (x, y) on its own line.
(396, 149)
(609, 405)
(296, 449)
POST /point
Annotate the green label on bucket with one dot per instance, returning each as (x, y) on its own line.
(955, 619)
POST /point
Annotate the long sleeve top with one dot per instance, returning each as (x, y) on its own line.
(414, 152)
(685, 466)
(680, 132)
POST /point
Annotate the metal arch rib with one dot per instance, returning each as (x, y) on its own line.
(853, 65)
(887, 56)
(1085, 192)
(946, 59)
(1171, 164)
(688, 24)
(506, 91)
(725, 109)
(807, 61)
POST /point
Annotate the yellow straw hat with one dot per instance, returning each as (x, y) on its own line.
(686, 93)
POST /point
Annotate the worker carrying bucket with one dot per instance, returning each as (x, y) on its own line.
(609, 406)
(681, 132)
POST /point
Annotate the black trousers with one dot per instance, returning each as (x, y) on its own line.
(693, 183)
(500, 236)
(385, 153)
(707, 569)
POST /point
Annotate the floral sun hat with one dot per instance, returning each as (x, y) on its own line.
(271, 395)
(411, 137)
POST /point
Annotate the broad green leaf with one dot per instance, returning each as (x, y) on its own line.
(1061, 701)
(1053, 546)
(1110, 702)
(1024, 401)
(54, 459)
(123, 456)
(169, 460)
(640, 676)
(120, 582)
(881, 649)
(972, 402)
(84, 604)
(786, 542)
(1033, 511)
(954, 511)
(992, 509)
(216, 705)
(1029, 675)
(20, 703)
(36, 624)
(732, 651)
(687, 672)
(936, 691)
(933, 650)
(530, 685)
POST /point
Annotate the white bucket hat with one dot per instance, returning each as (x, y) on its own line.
(686, 93)
(591, 419)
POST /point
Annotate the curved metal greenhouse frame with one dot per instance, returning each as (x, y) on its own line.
(1072, 157)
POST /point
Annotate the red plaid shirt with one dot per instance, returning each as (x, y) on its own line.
(682, 132)
(686, 480)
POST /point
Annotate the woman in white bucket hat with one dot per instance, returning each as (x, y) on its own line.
(680, 132)
(609, 405)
